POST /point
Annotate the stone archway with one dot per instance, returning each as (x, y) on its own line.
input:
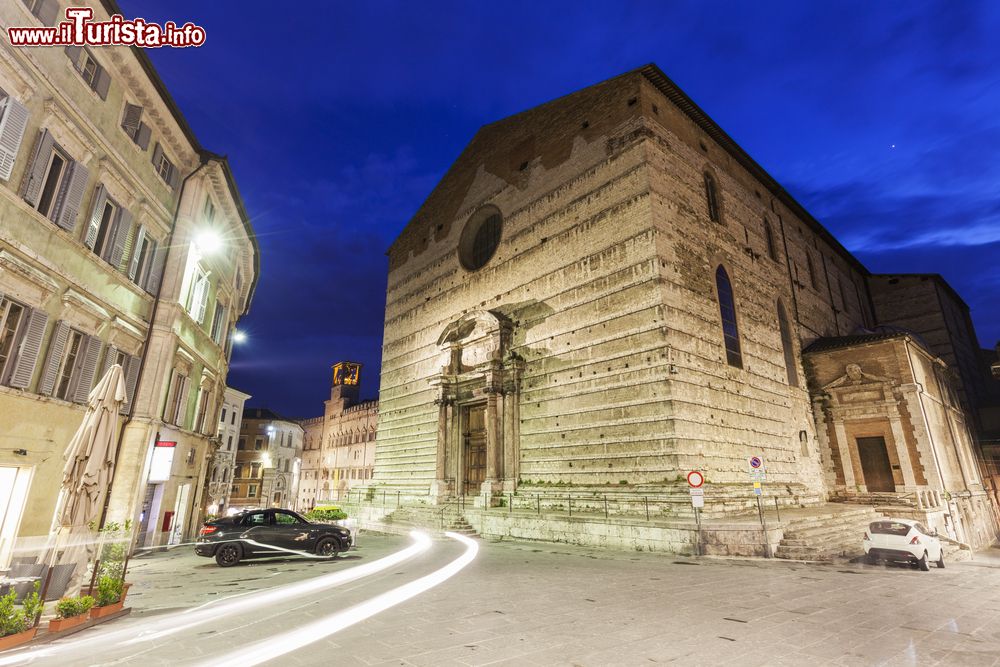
(478, 407)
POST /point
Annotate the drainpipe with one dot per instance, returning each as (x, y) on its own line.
(168, 243)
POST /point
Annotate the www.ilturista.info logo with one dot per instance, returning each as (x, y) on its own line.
(80, 30)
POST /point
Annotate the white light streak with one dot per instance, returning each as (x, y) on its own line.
(277, 645)
(168, 624)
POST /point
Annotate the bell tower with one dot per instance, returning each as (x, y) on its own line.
(346, 380)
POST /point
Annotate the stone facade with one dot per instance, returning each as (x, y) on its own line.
(104, 189)
(339, 449)
(268, 462)
(607, 290)
(890, 418)
(219, 479)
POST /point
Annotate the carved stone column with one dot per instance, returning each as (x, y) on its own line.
(844, 447)
(494, 434)
(441, 487)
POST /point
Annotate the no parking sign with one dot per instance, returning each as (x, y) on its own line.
(758, 472)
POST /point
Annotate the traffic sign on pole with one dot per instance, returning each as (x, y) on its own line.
(697, 496)
(695, 479)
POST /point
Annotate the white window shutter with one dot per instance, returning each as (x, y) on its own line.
(127, 247)
(35, 173)
(133, 264)
(199, 300)
(96, 214)
(57, 343)
(73, 188)
(142, 137)
(87, 368)
(123, 228)
(27, 354)
(13, 121)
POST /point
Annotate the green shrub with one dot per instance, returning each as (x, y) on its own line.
(109, 590)
(70, 607)
(326, 513)
(13, 619)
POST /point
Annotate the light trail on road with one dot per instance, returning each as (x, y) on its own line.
(163, 626)
(286, 642)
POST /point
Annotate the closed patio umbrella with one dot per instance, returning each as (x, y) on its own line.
(87, 473)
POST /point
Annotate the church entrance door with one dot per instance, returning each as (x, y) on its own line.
(473, 448)
(875, 464)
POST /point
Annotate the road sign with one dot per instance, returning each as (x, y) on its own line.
(756, 463)
(757, 470)
(695, 479)
(757, 491)
(697, 496)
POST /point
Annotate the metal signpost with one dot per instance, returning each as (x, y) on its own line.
(758, 474)
(695, 480)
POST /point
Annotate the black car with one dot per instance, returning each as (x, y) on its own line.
(260, 533)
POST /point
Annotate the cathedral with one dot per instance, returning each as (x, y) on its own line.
(606, 290)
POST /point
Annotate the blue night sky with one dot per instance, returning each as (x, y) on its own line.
(880, 118)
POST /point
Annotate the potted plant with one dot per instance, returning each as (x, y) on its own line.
(19, 625)
(110, 596)
(71, 612)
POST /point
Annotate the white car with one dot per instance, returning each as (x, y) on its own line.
(903, 540)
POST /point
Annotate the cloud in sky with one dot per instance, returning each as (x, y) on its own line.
(339, 118)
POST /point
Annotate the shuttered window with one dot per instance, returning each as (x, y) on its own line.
(164, 168)
(198, 297)
(133, 126)
(218, 324)
(727, 309)
(13, 121)
(45, 11)
(176, 410)
(93, 74)
(12, 319)
(54, 184)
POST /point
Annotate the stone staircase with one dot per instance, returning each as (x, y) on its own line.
(833, 531)
(431, 517)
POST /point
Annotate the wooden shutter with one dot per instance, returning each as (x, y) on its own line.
(123, 261)
(102, 81)
(73, 188)
(109, 358)
(27, 354)
(73, 53)
(35, 174)
(142, 137)
(156, 270)
(131, 377)
(100, 199)
(183, 388)
(13, 121)
(123, 229)
(171, 392)
(47, 11)
(199, 299)
(87, 369)
(57, 344)
(174, 179)
(132, 119)
(157, 154)
(133, 264)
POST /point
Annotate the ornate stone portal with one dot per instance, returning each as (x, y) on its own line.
(478, 408)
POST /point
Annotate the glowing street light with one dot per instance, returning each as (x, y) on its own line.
(239, 337)
(208, 241)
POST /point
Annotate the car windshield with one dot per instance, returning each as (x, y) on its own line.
(889, 528)
(286, 518)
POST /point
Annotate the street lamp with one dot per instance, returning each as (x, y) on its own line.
(239, 337)
(208, 242)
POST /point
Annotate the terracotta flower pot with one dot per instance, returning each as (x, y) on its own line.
(10, 641)
(108, 609)
(60, 624)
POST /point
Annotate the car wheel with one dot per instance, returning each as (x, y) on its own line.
(922, 563)
(228, 555)
(940, 560)
(871, 559)
(328, 548)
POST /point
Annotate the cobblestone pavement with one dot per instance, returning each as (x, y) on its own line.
(523, 603)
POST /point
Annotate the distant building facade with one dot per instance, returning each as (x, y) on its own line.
(105, 192)
(268, 461)
(340, 446)
(219, 479)
(607, 290)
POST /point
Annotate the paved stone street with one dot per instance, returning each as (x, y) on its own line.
(548, 604)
